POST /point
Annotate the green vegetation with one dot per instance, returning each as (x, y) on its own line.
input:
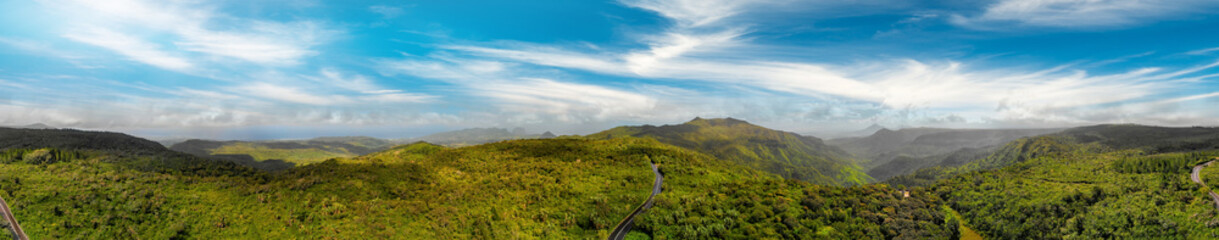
(491, 191)
(1210, 175)
(1058, 187)
(280, 155)
(475, 136)
(557, 188)
(786, 154)
(1048, 187)
(888, 153)
(298, 156)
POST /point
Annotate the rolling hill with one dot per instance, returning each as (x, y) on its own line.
(1096, 182)
(475, 136)
(543, 188)
(786, 154)
(292, 152)
(1099, 138)
(889, 153)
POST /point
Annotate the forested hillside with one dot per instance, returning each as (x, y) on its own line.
(1100, 182)
(1054, 186)
(786, 154)
(558, 188)
(283, 154)
(889, 153)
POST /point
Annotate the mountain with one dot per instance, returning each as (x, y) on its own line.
(296, 152)
(475, 136)
(832, 134)
(540, 188)
(889, 153)
(36, 126)
(787, 154)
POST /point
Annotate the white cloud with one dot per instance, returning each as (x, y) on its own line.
(1203, 51)
(329, 88)
(704, 48)
(134, 48)
(288, 94)
(192, 28)
(570, 102)
(264, 43)
(1079, 13)
(692, 13)
(386, 11)
(515, 92)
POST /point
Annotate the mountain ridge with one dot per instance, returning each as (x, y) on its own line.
(784, 153)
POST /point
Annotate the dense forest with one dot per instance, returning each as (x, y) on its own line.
(557, 188)
(888, 153)
(66, 184)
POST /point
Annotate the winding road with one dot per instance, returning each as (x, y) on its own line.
(1198, 179)
(18, 234)
(624, 227)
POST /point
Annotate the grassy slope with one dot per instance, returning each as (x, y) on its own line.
(787, 154)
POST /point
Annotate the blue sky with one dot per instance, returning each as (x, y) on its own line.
(294, 69)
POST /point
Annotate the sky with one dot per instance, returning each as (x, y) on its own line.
(280, 69)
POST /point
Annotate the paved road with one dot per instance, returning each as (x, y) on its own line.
(1198, 179)
(624, 227)
(18, 234)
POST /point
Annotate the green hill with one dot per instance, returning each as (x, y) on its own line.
(1099, 182)
(475, 136)
(552, 188)
(1099, 138)
(889, 153)
(786, 154)
(284, 153)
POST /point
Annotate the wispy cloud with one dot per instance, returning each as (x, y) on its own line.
(719, 54)
(1079, 13)
(693, 13)
(516, 92)
(190, 27)
(1203, 51)
(288, 94)
(387, 12)
(134, 48)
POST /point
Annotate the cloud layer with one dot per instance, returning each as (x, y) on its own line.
(794, 65)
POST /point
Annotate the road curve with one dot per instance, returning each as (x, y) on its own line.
(1197, 178)
(624, 226)
(18, 234)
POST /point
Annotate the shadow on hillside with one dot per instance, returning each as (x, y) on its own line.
(247, 160)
